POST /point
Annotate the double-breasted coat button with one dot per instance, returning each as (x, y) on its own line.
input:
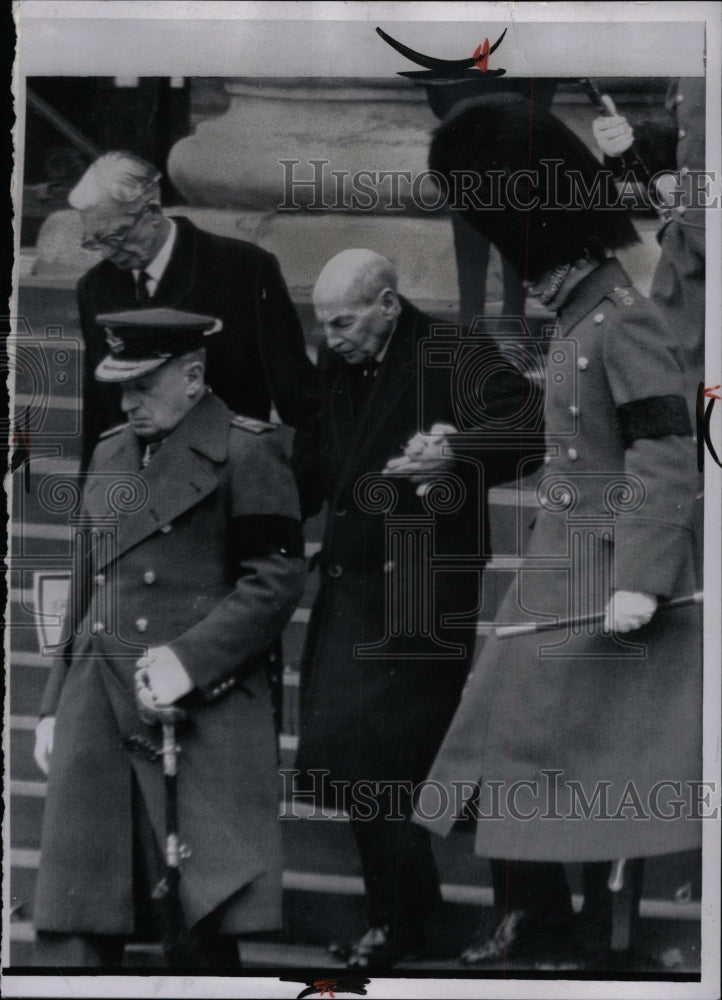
(99, 579)
(679, 98)
(166, 528)
(335, 571)
(681, 134)
(583, 364)
(149, 577)
(141, 624)
(599, 318)
(572, 454)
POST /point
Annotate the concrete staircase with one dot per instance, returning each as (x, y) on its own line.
(323, 886)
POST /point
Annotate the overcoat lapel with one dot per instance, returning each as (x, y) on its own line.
(180, 274)
(183, 471)
(397, 370)
(118, 290)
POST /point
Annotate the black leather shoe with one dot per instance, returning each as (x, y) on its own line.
(520, 939)
(382, 947)
(483, 950)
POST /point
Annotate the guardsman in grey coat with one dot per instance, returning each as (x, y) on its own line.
(193, 562)
(611, 707)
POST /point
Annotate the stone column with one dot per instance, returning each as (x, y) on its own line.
(233, 161)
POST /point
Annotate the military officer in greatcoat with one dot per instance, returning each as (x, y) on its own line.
(613, 706)
(193, 562)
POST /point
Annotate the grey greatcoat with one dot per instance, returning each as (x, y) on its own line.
(208, 559)
(617, 495)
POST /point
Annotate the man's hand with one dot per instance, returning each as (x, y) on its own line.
(628, 610)
(44, 736)
(612, 133)
(423, 456)
(161, 678)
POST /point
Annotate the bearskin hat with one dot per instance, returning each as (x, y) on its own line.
(528, 183)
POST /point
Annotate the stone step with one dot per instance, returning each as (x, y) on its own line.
(682, 963)
(670, 944)
(323, 885)
(320, 850)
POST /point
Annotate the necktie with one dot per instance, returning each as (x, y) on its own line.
(362, 379)
(142, 295)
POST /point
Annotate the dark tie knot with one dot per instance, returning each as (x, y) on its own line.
(142, 290)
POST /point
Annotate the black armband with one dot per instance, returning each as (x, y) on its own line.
(266, 535)
(654, 417)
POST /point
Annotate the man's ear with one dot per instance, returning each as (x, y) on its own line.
(390, 301)
(195, 376)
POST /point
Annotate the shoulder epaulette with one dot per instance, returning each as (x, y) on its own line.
(622, 296)
(250, 424)
(111, 431)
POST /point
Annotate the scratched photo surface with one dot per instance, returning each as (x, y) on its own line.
(363, 622)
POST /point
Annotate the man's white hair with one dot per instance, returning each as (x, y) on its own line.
(118, 177)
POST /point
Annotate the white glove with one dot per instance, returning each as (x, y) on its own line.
(612, 133)
(628, 610)
(44, 736)
(161, 676)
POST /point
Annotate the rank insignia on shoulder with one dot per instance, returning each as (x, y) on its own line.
(251, 424)
(622, 296)
(111, 431)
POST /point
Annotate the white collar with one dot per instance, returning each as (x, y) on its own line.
(157, 266)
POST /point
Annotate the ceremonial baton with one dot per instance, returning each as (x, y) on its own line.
(631, 158)
(530, 628)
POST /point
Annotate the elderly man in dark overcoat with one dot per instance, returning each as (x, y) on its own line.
(150, 259)
(384, 662)
(585, 733)
(193, 563)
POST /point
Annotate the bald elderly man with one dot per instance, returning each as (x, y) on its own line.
(379, 687)
(151, 260)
